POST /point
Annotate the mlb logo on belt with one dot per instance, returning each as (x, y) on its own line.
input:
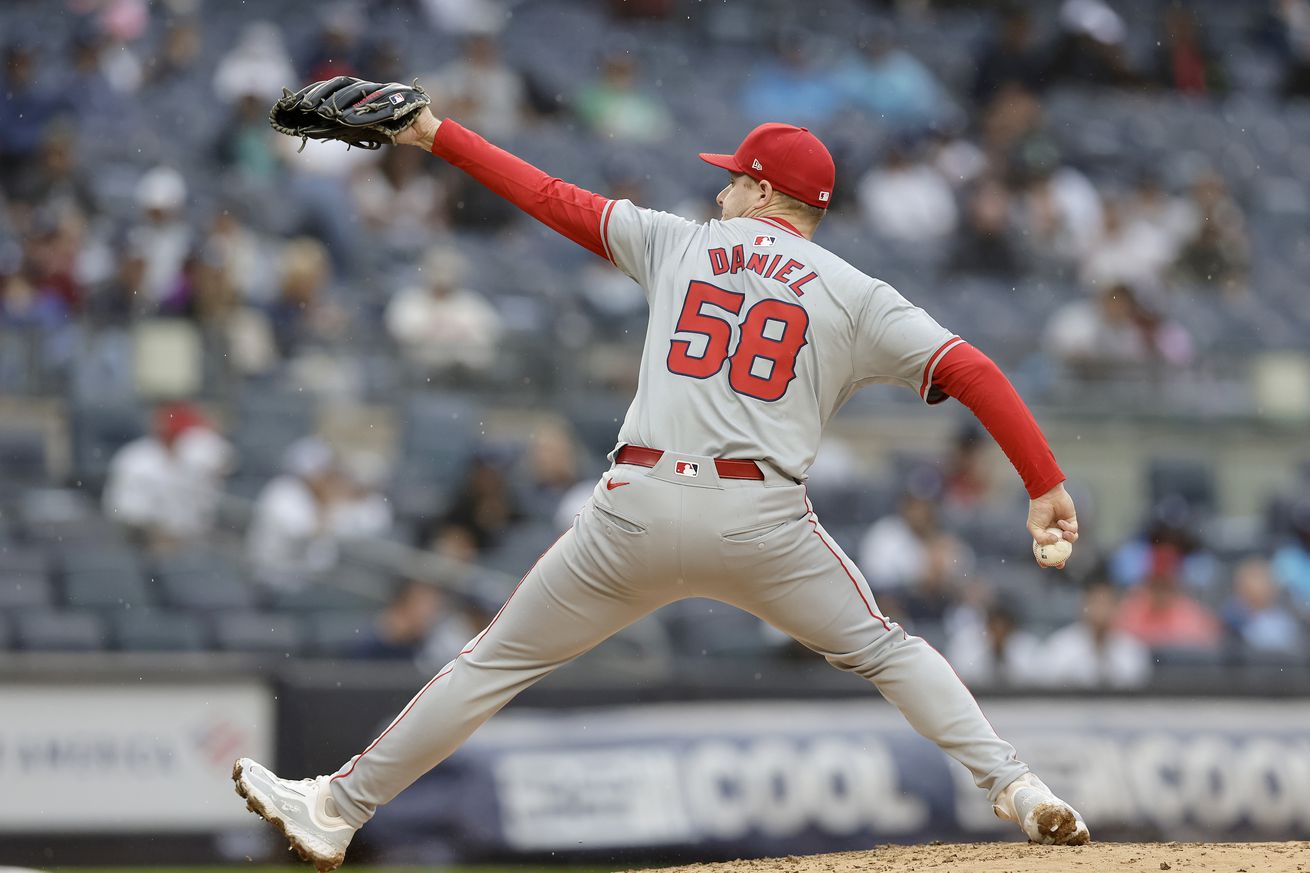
(762, 240)
(686, 468)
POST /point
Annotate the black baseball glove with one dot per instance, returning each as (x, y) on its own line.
(364, 114)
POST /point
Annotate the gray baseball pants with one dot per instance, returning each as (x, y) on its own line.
(659, 538)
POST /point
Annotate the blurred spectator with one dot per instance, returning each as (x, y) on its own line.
(1160, 615)
(1184, 62)
(399, 200)
(162, 238)
(361, 509)
(27, 104)
(1291, 565)
(53, 245)
(1093, 652)
(967, 477)
(550, 470)
(983, 246)
(89, 76)
(616, 107)
(1255, 617)
(789, 86)
(1217, 253)
(1291, 19)
(995, 652)
(1060, 213)
(442, 327)
(1014, 57)
(1090, 49)
(291, 539)
(246, 143)
(912, 565)
(302, 314)
(465, 16)
(165, 487)
(335, 52)
(1172, 525)
(258, 64)
(892, 85)
(400, 631)
(1115, 336)
(485, 504)
(481, 90)
(1136, 254)
(905, 199)
(177, 62)
(57, 181)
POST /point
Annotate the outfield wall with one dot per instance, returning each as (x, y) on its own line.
(95, 757)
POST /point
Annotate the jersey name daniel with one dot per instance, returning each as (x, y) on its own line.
(789, 271)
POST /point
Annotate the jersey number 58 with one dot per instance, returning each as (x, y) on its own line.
(764, 362)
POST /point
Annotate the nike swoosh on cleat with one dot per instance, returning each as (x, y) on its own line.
(611, 485)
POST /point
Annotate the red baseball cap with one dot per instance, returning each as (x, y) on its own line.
(790, 158)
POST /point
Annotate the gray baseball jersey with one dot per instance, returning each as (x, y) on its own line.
(757, 336)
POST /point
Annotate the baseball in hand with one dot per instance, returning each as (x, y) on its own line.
(1054, 554)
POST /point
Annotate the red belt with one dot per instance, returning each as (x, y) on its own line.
(728, 468)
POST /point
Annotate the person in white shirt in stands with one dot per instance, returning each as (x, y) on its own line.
(1091, 652)
(302, 515)
(441, 326)
(165, 487)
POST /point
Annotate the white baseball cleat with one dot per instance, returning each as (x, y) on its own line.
(303, 810)
(1044, 817)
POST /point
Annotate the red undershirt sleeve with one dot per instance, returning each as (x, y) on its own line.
(974, 379)
(564, 208)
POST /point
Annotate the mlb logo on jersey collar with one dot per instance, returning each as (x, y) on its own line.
(689, 469)
(763, 240)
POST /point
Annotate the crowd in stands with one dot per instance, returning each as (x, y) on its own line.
(1069, 185)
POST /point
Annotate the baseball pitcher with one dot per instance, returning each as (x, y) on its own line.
(757, 336)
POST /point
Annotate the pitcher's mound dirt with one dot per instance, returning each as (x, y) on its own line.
(1023, 858)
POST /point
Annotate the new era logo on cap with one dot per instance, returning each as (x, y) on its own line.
(756, 165)
(690, 469)
(763, 240)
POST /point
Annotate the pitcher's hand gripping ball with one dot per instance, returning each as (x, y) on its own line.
(1053, 554)
(359, 113)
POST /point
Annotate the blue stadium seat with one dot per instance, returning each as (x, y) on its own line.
(43, 631)
(21, 589)
(23, 457)
(107, 589)
(338, 633)
(151, 630)
(260, 632)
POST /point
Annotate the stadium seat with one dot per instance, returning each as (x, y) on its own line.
(6, 637)
(151, 630)
(323, 597)
(201, 579)
(260, 632)
(44, 631)
(24, 589)
(98, 433)
(337, 633)
(107, 589)
(23, 457)
(520, 548)
(85, 558)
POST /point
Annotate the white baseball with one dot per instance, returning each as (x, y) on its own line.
(1054, 554)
